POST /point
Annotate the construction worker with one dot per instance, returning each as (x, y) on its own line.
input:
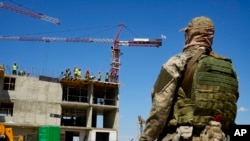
(79, 73)
(62, 75)
(107, 77)
(21, 73)
(195, 94)
(14, 69)
(68, 73)
(92, 77)
(99, 76)
(87, 75)
(115, 76)
(75, 72)
(2, 69)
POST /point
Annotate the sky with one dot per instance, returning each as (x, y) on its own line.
(139, 65)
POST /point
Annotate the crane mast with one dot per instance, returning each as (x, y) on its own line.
(141, 124)
(115, 49)
(116, 53)
(29, 13)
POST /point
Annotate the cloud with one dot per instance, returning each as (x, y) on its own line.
(242, 109)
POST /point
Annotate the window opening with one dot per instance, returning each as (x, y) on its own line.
(72, 136)
(73, 117)
(102, 136)
(75, 94)
(6, 109)
(104, 95)
(99, 121)
(9, 83)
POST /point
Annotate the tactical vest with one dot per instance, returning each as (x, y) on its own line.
(214, 90)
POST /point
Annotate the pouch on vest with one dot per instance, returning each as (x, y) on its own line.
(213, 132)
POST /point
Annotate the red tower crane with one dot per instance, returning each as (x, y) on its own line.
(115, 49)
(29, 13)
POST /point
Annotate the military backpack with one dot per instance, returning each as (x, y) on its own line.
(209, 88)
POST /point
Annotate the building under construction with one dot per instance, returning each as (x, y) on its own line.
(85, 110)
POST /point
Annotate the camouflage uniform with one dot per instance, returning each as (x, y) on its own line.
(168, 80)
(163, 94)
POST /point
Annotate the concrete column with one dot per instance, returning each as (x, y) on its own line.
(89, 117)
(90, 93)
(90, 109)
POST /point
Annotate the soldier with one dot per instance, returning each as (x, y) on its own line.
(195, 94)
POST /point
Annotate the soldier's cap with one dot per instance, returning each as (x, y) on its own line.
(199, 22)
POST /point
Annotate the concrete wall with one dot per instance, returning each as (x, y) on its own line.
(35, 113)
(32, 89)
(34, 101)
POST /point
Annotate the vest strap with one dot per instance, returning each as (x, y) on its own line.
(189, 73)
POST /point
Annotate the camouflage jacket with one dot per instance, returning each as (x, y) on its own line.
(163, 93)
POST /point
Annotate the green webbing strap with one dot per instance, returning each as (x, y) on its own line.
(188, 75)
